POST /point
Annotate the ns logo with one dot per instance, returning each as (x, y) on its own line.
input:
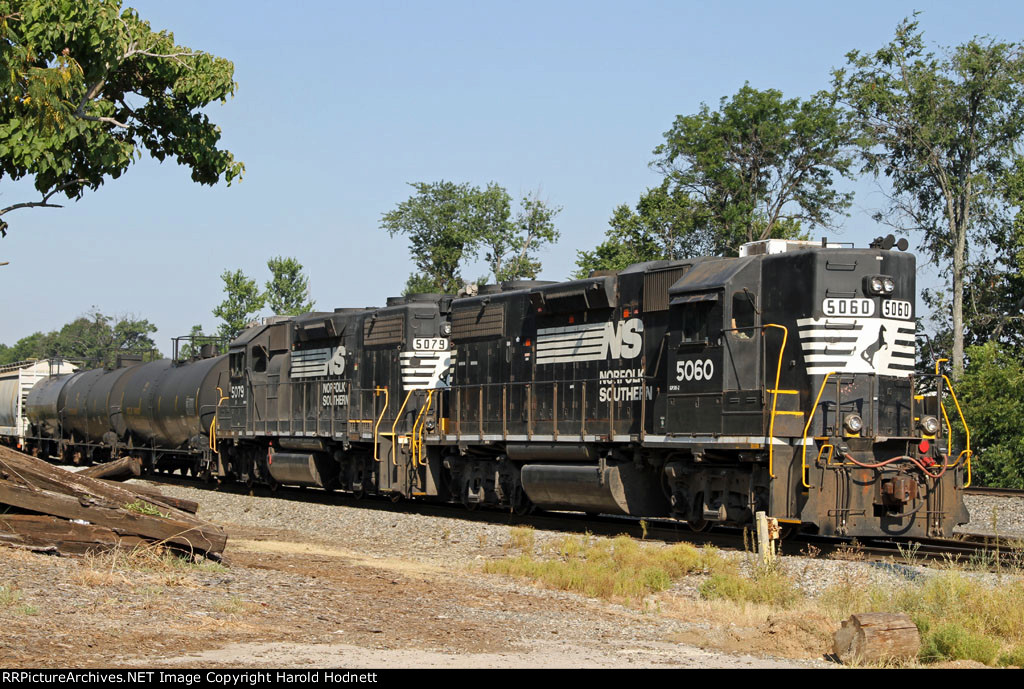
(336, 365)
(622, 340)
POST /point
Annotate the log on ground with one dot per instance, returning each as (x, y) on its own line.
(117, 470)
(871, 637)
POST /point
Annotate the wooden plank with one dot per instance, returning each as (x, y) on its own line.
(118, 470)
(157, 498)
(207, 538)
(19, 468)
(67, 537)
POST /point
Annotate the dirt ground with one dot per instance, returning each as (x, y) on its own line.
(287, 600)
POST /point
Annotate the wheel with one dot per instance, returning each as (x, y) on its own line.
(697, 525)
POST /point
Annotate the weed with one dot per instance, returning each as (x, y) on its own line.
(10, 598)
(909, 553)
(619, 569)
(111, 567)
(1013, 657)
(522, 538)
(142, 507)
(481, 539)
(234, 606)
(769, 585)
(643, 529)
(851, 551)
(952, 642)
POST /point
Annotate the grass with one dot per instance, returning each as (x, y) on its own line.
(118, 566)
(619, 569)
(959, 618)
(234, 606)
(768, 584)
(10, 599)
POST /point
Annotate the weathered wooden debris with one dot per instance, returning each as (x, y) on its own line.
(61, 536)
(871, 637)
(157, 498)
(131, 516)
(117, 470)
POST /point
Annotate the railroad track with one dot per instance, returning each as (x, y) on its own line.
(982, 551)
(995, 492)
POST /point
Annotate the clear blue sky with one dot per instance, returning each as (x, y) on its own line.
(340, 105)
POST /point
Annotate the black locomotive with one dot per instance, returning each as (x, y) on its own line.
(704, 389)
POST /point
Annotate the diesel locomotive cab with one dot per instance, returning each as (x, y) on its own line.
(791, 389)
(869, 456)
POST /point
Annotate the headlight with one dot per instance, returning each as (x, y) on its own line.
(446, 329)
(888, 284)
(853, 423)
(876, 285)
(930, 425)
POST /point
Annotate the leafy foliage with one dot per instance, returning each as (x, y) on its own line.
(94, 339)
(85, 88)
(511, 243)
(991, 394)
(288, 289)
(196, 339)
(241, 304)
(943, 130)
(760, 164)
(448, 223)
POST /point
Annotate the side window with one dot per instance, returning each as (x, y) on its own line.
(237, 362)
(743, 314)
(696, 321)
(259, 359)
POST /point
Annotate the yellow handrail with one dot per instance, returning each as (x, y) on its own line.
(810, 419)
(417, 436)
(394, 437)
(775, 397)
(376, 392)
(213, 424)
(967, 431)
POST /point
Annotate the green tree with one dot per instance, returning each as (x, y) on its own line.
(991, 393)
(98, 339)
(667, 224)
(93, 338)
(86, 87)
(449, 223)
(34, 346)
(288, 288)
(439, 223)
(943, 130)
(760, 165)
(241, 305)
(510, 243)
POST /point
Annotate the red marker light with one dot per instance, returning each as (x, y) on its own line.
(625, 313)
(924, 446)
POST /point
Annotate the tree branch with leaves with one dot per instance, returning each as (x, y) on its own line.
(86, 88)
